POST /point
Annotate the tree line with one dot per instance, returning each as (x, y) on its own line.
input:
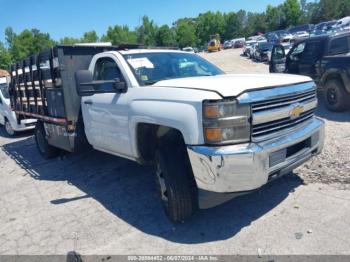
(185, 31)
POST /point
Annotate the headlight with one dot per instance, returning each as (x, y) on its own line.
(226, 121)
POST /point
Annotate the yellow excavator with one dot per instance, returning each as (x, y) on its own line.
(214, 43)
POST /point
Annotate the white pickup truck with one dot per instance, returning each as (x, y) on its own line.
(210, 136)
(8, 118)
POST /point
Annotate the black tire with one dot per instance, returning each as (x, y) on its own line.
(336, 97)
(45, 149)
(175, 180)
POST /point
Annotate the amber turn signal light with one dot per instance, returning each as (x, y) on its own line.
(213, 134)
(211, 111)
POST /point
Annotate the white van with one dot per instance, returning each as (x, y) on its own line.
(7, 116)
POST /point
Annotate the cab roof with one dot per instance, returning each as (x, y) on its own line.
(142, 51)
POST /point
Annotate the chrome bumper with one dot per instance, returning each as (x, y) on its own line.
(246, 167)
(26, 124)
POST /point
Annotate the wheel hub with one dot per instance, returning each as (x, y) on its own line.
(9, 128)
(161, 183)
(332, 96)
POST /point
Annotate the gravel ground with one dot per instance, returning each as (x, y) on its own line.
(95, 203)
(332, 166)
(231, 62)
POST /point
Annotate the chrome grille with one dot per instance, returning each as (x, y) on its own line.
(271, 116)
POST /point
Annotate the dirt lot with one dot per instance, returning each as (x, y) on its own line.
(99, 204)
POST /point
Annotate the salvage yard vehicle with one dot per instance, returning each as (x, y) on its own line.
(8, 118)
(188, 49)
(261, 52)
(228, 44)
(210, 136)
(239, 44)
(325, 59)
(247, 47)
(214, 43)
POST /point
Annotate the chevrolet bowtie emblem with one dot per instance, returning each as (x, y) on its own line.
(297, 110)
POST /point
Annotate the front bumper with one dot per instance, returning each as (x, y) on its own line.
(25, 124)
(245, 167)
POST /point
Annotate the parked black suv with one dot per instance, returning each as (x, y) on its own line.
(326, 59)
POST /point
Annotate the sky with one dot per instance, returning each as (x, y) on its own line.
(72, 18)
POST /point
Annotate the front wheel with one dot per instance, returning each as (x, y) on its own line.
(175, 180)
(336, 97)
(46, 150)
(9, 129)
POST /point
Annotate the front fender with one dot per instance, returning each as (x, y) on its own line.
(344, 76)
(178, 108)
(183, 116)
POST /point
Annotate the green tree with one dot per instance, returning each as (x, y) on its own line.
(274, 17)
(309, 12)
(27, 42)
(69, 41)
(90, 37)
(233, 26)
(292, 12)
(5, 57)
(10, 36)
(120, 35)
(185, 33)
(165, 36)
(331, 9)
(208, 24)
(146, 33)
(256, 23)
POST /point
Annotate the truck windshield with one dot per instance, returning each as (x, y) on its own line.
(150, 68)
(4, 90)
(265, 46)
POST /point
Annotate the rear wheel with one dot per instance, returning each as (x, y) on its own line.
(175, 181)
(335, 95)
(9, 129)
(45, 149)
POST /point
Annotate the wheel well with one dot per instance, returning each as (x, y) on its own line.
(148, 138)
(332, 76)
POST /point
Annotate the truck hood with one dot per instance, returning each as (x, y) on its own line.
(234, 84)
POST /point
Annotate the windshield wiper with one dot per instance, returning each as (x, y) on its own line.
(150, 82)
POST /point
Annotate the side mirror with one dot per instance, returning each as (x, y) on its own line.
(83, 80)
(120, 86)
(86, 86)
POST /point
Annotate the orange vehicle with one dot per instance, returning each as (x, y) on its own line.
(214, 43)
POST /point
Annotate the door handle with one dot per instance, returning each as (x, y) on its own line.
(88, 102)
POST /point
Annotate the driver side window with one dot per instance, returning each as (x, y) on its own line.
(106, 69)
(297, 51)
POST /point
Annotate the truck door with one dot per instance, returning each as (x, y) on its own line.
(309, 57)
(106, 114)
(278, 59)
(294, 57)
